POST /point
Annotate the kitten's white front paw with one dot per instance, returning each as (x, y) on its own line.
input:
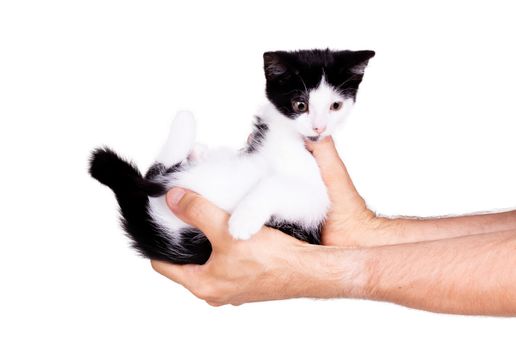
(243, 225)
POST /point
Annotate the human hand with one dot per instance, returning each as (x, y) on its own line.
(350, 223)
(270, 265)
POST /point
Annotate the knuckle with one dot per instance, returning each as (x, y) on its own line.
(209, 293)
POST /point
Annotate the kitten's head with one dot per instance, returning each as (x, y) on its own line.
(315, 89)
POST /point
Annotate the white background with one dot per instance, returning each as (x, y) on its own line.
(432, 134)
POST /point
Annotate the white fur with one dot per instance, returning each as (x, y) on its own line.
(280, 179)
(319, 114)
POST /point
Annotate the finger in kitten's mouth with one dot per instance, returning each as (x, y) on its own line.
(313, 138)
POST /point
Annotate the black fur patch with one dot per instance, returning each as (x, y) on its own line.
(312, 236)
(259, 131)
(158, 169)
(196, 247)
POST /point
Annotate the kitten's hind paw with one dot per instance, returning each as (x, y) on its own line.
(180, 141)
(244, 224)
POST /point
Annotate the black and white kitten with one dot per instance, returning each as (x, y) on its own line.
(274, 181)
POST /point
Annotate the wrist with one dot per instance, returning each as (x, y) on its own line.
(378, 231)
(333, 272)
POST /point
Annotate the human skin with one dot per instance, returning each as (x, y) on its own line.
(464, 265)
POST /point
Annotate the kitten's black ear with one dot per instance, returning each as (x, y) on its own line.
(274, 65)
(355, 61)
(362, 58)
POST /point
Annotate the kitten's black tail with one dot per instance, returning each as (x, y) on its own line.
(132, 191)
(121, 176)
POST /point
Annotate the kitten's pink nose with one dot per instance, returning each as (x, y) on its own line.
(320, 129)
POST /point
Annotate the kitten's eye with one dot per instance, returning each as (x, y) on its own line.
(299, 106)
(335, 106)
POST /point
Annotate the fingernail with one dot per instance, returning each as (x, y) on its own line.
(175, 195)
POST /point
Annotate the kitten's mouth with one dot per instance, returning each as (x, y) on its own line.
(313, 138)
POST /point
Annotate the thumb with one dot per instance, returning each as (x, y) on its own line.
(333, 170)
(196, 211)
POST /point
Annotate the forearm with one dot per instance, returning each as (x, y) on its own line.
(466, 275)
(408, 230)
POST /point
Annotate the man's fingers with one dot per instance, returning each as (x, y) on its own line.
(201, 213)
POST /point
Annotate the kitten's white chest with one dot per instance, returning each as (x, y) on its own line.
(287, 157)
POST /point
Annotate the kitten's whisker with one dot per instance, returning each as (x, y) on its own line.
(302, 81)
